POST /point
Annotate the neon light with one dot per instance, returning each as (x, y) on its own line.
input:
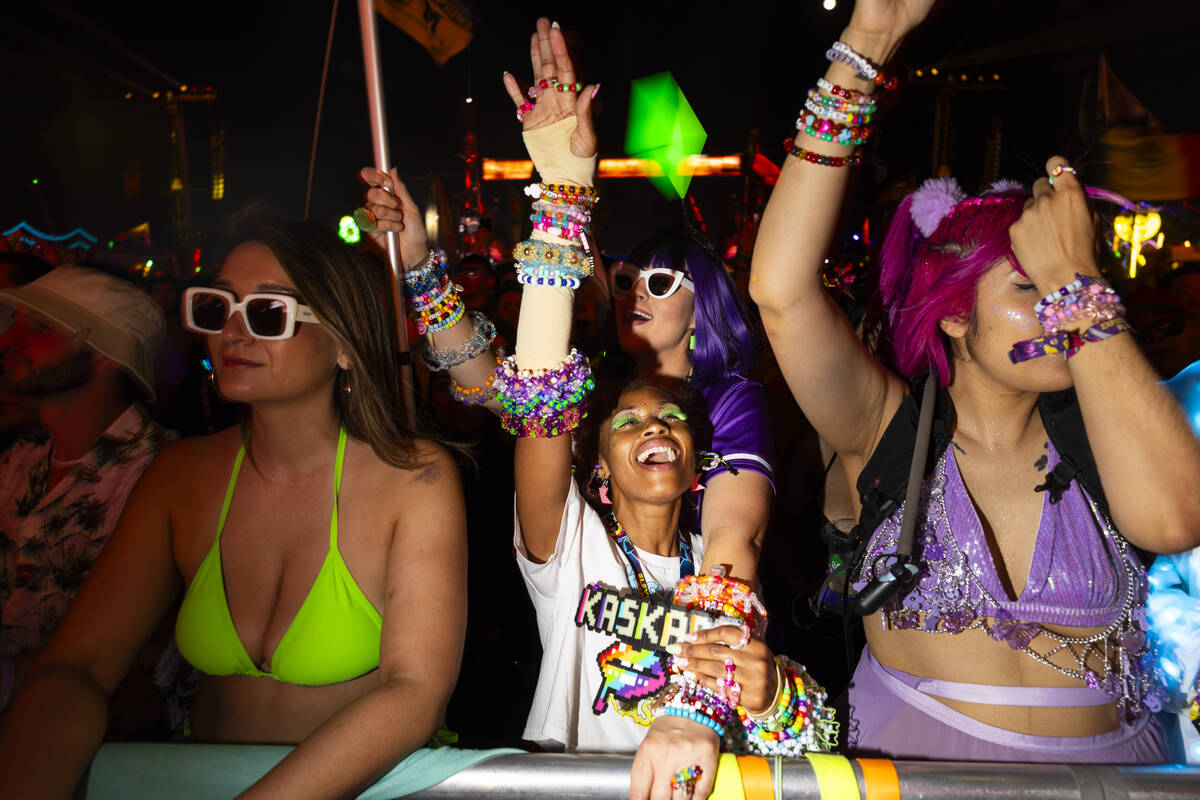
(1139, 230)
(663, 128)
(32, 231)
(697, 165)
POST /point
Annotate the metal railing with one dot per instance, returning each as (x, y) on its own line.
(601, 777)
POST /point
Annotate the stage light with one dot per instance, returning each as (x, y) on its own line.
(829, 5)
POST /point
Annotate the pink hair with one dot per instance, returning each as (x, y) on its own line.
(924, 280)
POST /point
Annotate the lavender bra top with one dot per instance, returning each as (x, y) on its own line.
(1078, 576)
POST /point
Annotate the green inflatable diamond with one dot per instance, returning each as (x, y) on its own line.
(663, 129)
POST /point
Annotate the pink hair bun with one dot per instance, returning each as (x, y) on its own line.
(933, 202)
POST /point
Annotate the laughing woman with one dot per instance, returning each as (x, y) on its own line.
(320, 547)
(602, 683)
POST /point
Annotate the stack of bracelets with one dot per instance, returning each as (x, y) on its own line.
(1061, 313)
(435, 306)
(550, 402)
(433, 296)
(838, 115)
(557, 256)
(543, 403)
(796, 720)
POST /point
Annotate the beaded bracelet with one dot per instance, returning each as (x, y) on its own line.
(724, 596)
(476, 395)
(426, 274)
(828, 131)
(564, 210)
(841, 117)
(443, 318)
(801, 721)
(1080, 282)
(481, 339)
(552, 260)
(866, 69)
(845, 94)
(542, 280)
(577, 195)
(852, 160)
(838, 103)
(547, 402)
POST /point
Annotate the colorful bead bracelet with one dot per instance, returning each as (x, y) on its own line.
(852, 160)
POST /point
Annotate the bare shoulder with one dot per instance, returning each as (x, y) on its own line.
(185, 462)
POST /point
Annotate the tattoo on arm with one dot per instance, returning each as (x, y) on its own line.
(1040, 464)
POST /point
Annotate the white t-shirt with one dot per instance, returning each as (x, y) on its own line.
(570, 679)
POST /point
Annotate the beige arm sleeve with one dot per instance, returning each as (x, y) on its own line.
(544, 328)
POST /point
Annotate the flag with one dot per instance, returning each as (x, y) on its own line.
(443, 27)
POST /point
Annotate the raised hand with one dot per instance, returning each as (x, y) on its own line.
(552, 63)
(388, 199)
(889, 18)
(1054, 237)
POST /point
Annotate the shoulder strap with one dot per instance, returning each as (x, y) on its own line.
(337, 487)
(884, 480)
(237, 468)
(1063, 420)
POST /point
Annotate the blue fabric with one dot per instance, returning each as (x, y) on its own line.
(123, 771)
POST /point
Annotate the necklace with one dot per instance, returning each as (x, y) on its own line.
(633, 565)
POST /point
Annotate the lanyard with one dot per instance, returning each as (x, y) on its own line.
(633, 567)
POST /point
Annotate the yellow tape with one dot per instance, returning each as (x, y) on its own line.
(835, 777)
(728, 785)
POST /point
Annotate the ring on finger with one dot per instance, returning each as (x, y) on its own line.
(727, 687)
(1059, 170)
(365, 219)
(524, 109)
(686, 778)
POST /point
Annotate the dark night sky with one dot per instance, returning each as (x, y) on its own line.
(64, 70)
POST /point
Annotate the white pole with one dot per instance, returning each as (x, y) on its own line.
(370, 43)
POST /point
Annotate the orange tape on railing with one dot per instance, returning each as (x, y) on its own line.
(756, 778)
(880, 778)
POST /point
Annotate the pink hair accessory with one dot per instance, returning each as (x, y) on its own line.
(933, 202)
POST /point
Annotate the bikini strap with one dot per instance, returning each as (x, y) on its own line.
(237, 468)
(337, 487)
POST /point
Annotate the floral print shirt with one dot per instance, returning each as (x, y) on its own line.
(51, 535)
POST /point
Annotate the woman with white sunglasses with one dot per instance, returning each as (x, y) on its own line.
(319, 547)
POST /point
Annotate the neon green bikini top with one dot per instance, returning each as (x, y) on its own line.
(333, 638)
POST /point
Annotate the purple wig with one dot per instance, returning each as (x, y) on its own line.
(725, 342)
(925, 278)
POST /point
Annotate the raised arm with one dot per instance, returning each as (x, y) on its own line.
(424, 624)
(1147, 455)
(562, 144)
(466, 342)
(58, 719)
(846, 394)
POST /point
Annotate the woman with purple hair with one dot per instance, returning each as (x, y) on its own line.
(681, 323)
(1010, 621)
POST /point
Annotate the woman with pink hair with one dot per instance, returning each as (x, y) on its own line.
(1006, 604)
